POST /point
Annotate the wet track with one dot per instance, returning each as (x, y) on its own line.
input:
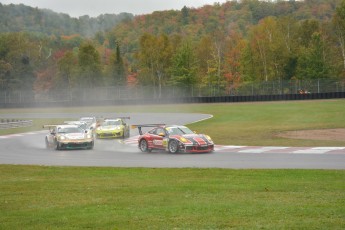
(29, 148)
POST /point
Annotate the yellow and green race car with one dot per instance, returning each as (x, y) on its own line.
(113, 128)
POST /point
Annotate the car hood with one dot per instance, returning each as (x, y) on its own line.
(74, 136)
(110, 127)
(196, 139)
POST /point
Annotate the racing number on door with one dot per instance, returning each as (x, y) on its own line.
(158, 138)
(158, 142)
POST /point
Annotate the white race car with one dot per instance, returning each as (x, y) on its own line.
(68, 137)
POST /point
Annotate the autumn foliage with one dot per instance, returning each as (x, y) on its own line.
(220, 45)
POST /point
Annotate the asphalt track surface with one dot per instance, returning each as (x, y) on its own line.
(29, 149)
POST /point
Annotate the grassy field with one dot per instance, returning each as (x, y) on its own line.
(39, 197)
(235, 123)
(34, 197)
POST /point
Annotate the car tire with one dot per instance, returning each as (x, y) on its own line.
(125, 134)
(143, 146)
(47, 143)
(57, 146)
(173, 146)
(91, 145)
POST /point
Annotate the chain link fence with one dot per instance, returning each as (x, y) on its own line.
(172, 92)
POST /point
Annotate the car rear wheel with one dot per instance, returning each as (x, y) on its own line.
(143, 146)
(125, 134)
(173, 146)
(47, 143)
(128, 134)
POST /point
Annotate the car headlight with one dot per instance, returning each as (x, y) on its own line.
(208, 138)
(62, 138)
(183, 140)
(88, 136)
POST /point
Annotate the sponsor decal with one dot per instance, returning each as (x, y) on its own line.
(158, 142)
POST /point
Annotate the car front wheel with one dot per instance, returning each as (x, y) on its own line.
(91, 145)
(57, 146)
(173, 146)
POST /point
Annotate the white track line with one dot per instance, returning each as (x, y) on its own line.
(235, 148)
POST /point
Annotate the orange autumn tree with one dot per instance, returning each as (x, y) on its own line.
(235, 44)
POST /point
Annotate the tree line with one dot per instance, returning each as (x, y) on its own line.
(16, 18)
(223, 46)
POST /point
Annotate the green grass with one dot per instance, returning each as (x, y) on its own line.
(33, 197)
(38, 197)
(259, 124)
(236, 123)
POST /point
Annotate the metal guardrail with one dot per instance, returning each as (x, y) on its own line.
(10, 124)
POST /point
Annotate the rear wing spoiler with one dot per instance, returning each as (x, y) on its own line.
(145, 125)
(50, 127)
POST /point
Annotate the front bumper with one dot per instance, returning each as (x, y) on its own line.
(196, 148)
(110, 134)
(76, 144)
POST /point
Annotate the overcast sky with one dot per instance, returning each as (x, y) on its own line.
(94, 8)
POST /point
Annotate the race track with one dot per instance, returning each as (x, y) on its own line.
(29, 149)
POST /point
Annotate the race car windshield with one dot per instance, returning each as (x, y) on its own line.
(87, 119)
(179, 131)
(70, 130)
(112, 123)
(83, 126)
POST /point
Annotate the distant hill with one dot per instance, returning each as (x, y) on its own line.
(208, 20)
(15, 18)
(232, 15)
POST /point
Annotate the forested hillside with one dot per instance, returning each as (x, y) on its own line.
(17, 18)
(221, 45)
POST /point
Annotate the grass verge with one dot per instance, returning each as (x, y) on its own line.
(34, 197)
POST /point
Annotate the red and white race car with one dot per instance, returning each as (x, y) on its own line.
(173, 138)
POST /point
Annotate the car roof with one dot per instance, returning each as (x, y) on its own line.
(88, 118)
(174, 126)
(66, 126)
(75, 122)
(112, 119)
